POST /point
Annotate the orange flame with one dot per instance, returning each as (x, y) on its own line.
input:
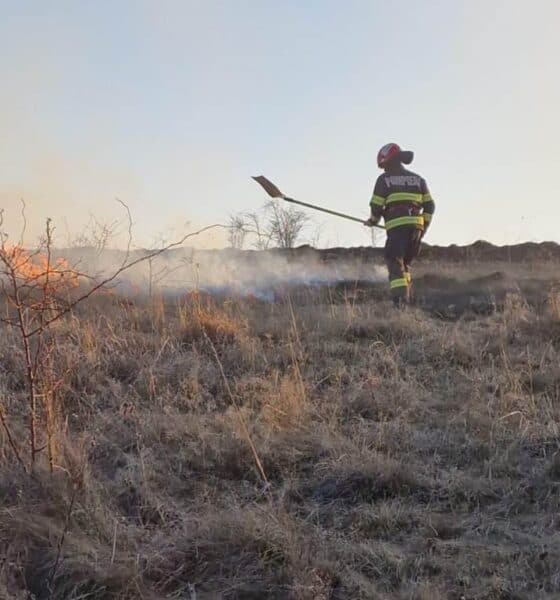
(37, 269)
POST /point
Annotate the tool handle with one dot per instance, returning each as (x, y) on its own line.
(329, 211)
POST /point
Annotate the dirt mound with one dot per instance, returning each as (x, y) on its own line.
(485, 252)
(478, 252)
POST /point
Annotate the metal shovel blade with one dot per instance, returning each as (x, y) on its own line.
(269, 187)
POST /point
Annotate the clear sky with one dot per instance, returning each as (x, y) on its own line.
(172, 106)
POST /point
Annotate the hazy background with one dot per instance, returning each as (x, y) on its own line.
(172, 106)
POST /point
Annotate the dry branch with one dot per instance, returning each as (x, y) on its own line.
(125, 267)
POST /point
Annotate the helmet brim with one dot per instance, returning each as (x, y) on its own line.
(406, 156)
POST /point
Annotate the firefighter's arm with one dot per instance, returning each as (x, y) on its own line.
(428, 206)
(377, 203)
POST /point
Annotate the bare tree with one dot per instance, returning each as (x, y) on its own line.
(96, 235)
(262, 235)
(237, 231)
(273, 225)
(285, 224)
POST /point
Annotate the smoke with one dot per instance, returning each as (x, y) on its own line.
(265, 275)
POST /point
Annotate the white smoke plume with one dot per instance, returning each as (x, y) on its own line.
(265, 275)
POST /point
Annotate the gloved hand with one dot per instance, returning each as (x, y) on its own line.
(371, 222)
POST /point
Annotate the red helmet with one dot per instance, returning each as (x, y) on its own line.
(392, 151)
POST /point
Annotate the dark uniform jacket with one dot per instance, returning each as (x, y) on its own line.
(402, 198)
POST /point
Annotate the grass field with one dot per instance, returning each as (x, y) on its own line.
(320, 447)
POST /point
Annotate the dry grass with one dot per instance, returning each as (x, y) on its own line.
(404, 456)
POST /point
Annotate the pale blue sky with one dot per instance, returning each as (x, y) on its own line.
(172, 106)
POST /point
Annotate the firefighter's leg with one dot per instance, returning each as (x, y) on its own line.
(400, 292)
(394, 256)
(412, 251)
(408, 277)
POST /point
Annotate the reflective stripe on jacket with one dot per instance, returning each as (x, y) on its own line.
(402, 198)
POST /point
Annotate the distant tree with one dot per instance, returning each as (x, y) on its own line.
(96, 235)
(254, 226)
(237, 231)
(273, 225)
(285, 224)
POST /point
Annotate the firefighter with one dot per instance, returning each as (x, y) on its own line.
(402, 198)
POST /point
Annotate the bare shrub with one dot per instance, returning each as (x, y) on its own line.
(38, 292)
